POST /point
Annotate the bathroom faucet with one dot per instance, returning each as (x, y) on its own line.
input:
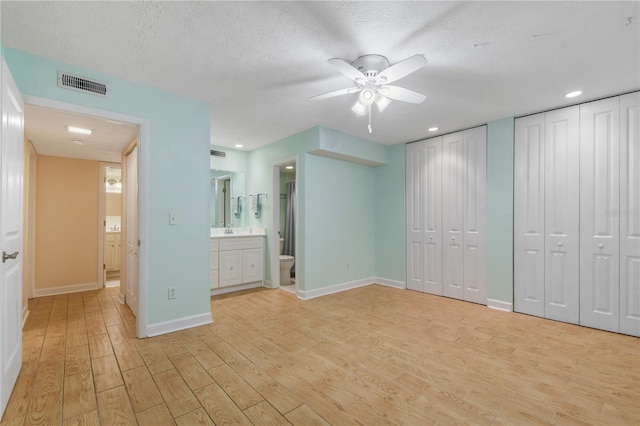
(228, 229)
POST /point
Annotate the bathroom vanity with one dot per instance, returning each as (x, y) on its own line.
(237, 260)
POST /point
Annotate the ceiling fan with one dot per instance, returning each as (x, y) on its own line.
(372, 75)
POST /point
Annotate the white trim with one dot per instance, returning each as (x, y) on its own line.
(165, 327)
(231, 289)
(390, 283)
(337, 288)
(143, 190)
(121, 298)
(267, 284)
(65, 289)
(25, 314)
(499, 305)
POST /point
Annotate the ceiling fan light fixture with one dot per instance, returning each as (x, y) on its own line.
(359, 109)
(367, 96)
(382, 102)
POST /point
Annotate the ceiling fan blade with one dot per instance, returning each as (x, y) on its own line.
(347, 69)
(401, 94)
(335, 93)
(402, 69)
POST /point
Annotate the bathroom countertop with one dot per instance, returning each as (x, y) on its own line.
(238, 233)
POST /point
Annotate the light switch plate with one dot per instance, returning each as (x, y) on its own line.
(172, 219)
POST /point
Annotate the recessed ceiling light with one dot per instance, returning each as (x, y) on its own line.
(432, 129)
(78, 141)
(289, 167)
(573, 94)
(239, 145)
(79, 130)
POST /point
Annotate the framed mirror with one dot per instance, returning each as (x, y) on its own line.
(228, 199)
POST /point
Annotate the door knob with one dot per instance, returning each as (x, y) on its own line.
(6, 256)
(600, 246)
(559, 243)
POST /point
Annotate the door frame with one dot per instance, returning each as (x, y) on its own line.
(275, 223)
(143, 189)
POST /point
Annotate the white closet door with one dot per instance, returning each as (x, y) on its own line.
(453, 182)
(599, 223)
(562, 210)
(528, 222)
(475, 216)
(630, 214)
(414, 195)
(432, 215)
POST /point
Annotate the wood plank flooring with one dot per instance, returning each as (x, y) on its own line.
(373, 355)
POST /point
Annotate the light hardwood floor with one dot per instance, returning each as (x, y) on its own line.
(373, 355)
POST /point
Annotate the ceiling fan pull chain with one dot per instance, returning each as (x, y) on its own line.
(370, 129)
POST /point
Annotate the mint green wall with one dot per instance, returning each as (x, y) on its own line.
(389, 209)
(234, 161)
(500, 144)
(351, 148)
(340, 213)
(178, 176)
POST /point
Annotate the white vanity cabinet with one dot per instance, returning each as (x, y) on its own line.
(215, 244)
(239, 260)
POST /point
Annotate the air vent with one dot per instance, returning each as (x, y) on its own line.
(81, 84)
(218, 153)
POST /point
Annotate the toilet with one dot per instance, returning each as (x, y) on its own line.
(286, 263)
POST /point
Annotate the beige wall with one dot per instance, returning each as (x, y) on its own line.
(114, 204)
(66, 222)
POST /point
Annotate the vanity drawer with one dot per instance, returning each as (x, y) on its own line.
(240, 243)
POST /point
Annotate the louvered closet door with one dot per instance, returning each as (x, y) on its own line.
(599, 222)
(414, 195)
(528, 221)
(475, 216)
(453, 183)
(432, 215)
(630, 214)
(562, 210)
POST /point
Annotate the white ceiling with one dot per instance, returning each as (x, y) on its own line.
(47, 130)
(257, 63)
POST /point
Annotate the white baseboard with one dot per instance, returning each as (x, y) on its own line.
(223, 290)
(178, 324)
(25, 314)
(499, 305)
(40, 292)
(337, 288)
(121, 298)
(390, 283)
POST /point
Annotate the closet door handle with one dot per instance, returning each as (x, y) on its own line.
(600, 246)
(6, 256)
(559, 243)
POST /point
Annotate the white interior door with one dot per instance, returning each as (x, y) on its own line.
(562, 208)
(11, 178)
(630, 214)
(432, 215)
(131, 276)
(414, 195)
(528, 221)
(599, 220)
(453, 181)
(475, 215)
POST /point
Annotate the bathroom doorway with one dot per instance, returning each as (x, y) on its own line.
(285, 225)
(111, 210)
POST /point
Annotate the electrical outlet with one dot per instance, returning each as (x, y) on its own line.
(172, 293)
(172, 219)
(348, 266)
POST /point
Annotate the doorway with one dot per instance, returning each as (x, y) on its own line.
(111, 219)
(114, 156)
(284, 235)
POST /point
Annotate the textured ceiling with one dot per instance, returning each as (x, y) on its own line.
(257, 63)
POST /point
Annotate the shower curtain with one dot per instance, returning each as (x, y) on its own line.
(290, 220)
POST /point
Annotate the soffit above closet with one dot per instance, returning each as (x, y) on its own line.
(257, 63)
